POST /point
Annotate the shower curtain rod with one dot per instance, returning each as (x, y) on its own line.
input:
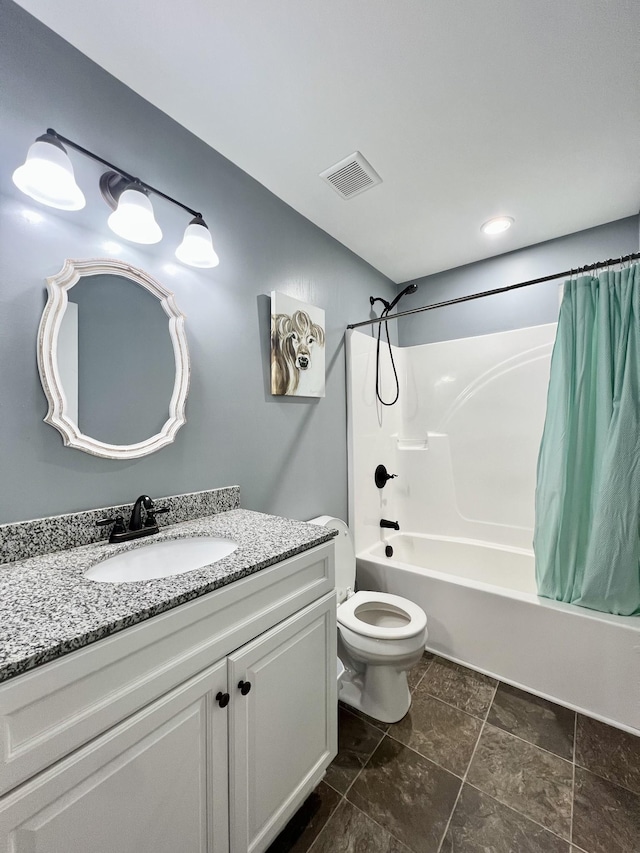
(633, 257)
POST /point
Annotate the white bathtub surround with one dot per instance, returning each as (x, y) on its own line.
(464, 441)
(463, 437)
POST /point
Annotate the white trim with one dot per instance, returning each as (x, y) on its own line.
(58, 416)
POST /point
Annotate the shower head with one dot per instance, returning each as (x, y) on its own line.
(410, 288)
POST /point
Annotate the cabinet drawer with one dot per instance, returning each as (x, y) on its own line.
(47, 713)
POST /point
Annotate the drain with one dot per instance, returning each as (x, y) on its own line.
(388, 551)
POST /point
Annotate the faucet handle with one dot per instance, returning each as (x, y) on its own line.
(118, 524)
(150, 520)
(382, 475)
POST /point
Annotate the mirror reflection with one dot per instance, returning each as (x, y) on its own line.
(115, 359)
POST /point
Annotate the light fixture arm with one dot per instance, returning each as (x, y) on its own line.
(126, 175)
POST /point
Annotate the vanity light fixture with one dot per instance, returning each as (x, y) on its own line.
(196, 248)
(133, 218)
(497, 225)
(47, 176)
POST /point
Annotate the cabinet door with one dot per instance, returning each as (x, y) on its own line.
(283, 731)
(156, 782)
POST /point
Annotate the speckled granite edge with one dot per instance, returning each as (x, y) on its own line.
(23, 539)
(48, 607)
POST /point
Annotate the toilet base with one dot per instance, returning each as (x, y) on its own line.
(381, 692)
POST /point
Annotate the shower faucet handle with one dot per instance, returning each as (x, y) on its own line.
(381, 476)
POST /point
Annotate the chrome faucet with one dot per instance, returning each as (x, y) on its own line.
(136, 529)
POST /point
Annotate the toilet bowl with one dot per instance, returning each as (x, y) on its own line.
(380, 637)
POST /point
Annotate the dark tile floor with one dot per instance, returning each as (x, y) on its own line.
(476, 766)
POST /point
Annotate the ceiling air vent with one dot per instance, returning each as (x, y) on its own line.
(351, 176)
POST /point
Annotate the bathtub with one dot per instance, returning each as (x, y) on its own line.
(483, 612)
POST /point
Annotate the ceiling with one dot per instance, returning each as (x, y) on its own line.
(466, 108)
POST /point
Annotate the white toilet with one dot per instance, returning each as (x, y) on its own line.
(380, 637)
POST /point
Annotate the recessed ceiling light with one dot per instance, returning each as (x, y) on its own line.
(497, 225)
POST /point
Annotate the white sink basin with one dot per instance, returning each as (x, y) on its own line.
(161, 559)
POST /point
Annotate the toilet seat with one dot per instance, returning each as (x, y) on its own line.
(411, 618)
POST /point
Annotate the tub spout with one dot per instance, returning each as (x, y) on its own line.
(392, 525)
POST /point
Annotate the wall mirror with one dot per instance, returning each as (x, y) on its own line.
(113, 359)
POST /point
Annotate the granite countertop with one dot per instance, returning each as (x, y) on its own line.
(48, 608)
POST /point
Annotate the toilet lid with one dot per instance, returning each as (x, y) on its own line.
(382, 616)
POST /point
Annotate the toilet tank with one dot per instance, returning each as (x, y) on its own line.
(345, 554)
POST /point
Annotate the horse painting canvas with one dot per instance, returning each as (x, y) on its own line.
(297, 347)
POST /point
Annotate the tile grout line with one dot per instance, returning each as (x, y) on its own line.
(419, 681)
(462, 784)
(384, 828)
(370, 756)
(331, 814)
(530, 743)
(464, 778)
(506, 805)
(573, 778)
(520, 814)
(606, 779)
(444, 702)
(358, 715)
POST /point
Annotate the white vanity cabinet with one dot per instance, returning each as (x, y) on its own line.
(215, 760)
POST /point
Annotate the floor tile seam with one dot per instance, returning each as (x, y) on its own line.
(522, 814)
(420, 755)
(530, 743)
(464, 781)
(444, 769)
(573, 778)
(419, 681)
(369, 757)
(451, 705)
(355, 714)
(331, 813)
(428, 758)
(493, 699)
(373, 820)
(610, 781)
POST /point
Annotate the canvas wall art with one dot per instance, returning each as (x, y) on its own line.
(297, 347)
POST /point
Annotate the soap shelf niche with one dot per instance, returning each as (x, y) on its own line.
(412, 443)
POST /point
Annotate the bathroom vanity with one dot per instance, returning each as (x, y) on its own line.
(202, 728)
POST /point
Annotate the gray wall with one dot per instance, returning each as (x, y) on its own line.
(531, 306)
(287, 454)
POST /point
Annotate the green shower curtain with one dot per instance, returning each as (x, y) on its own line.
(587, 536)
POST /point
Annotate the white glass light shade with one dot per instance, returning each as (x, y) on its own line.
(47, 176)
(497, 225)
(133, 219)
(196, 249)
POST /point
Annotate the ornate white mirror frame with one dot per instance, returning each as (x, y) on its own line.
(58, 415)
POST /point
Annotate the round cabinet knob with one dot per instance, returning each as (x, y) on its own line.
(222, 699)
(244, 687)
